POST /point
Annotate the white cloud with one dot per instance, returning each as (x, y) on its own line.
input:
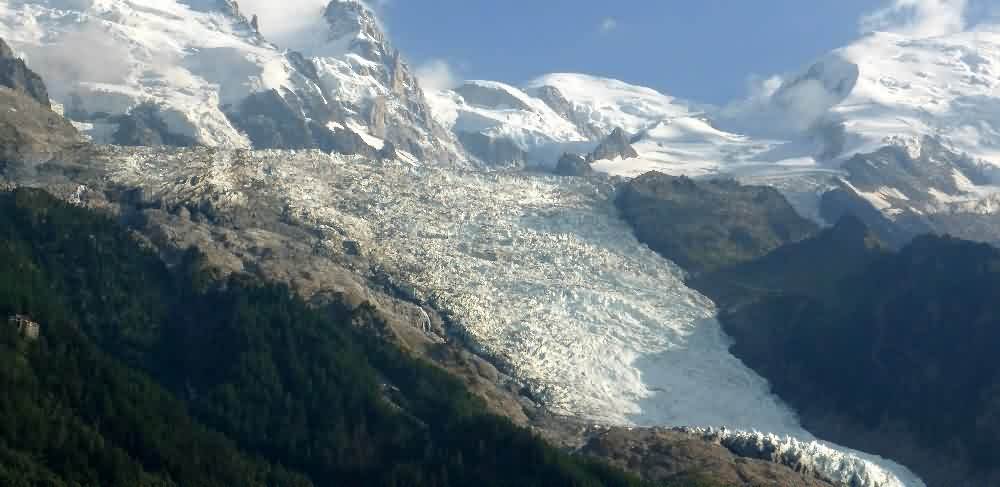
(919, 18)
(608, 24)
(436, 75)
(62, 66)
(282, 18)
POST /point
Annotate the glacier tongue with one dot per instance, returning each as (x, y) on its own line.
(538, 272)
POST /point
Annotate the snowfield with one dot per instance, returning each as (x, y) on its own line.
(539, 273)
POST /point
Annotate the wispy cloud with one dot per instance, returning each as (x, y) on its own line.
(278, 19)
(919, 18)
(436, 75)
(607, 25)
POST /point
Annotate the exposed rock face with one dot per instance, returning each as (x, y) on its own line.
(558, 103)
(706, 225)
(904, 190)
(271, 123)
(678, 457)
(912, 179)
(498, 152)
(400, 114)
(15, 75)
(812, 267)
(220, 83)
(478, 95)
(144, 126)
(573, 165)
(615, 145)
(30, 132)
(844, 201)
(879, 350)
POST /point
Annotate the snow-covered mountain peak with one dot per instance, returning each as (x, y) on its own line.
(198, 72)
(354, 20)
(607, 104)
(946, 86)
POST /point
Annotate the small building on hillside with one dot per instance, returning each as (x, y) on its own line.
(26, 326)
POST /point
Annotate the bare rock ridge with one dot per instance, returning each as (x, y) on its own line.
(573, 165)
(400, 114)
(558, 103)
(236, 89)
(706, 225)
(901, 193)
(30, 132)
(615, 145)
(15, 75)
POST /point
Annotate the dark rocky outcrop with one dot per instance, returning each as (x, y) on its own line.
(15, 75)
(144, 126)
(30, 132)
(706, 225)
(493, 150)
(811, 267)
(484, 96)
(889, 352)
(680, 458)
(886, 351)
(273, 122)
(387, 152)
(573, 165)
(843, 201)
(615, 145)
(914, 186)
(403, 117)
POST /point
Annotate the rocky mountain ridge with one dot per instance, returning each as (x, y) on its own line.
(185, 73)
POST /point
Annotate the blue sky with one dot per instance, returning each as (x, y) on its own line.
(702, 50)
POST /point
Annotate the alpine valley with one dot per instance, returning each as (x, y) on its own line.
(610, 284)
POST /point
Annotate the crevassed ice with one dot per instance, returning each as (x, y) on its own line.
(542, 274)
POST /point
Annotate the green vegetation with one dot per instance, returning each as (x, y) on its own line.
(148, 376)
(901, 345)
(707, 225)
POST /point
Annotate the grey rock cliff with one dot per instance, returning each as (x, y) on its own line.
(15, 75)
(573, 165)
(615, 145)
(30, 132)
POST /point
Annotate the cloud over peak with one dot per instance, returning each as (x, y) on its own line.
(919, 18)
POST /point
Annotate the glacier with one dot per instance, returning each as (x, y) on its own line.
(537, 272)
